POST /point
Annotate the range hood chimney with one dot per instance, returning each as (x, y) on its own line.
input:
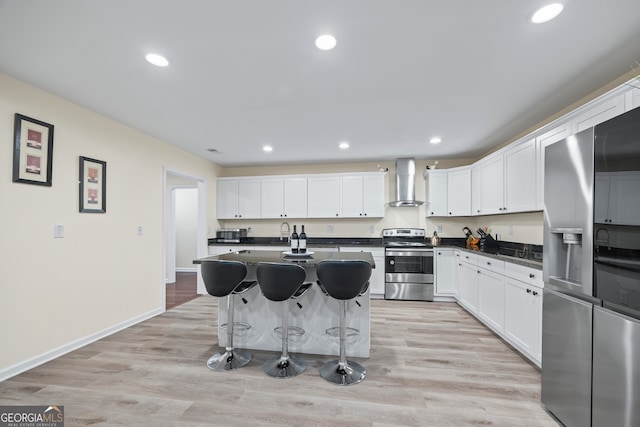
(406, 183)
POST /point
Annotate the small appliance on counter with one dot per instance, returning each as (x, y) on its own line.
(231, 235)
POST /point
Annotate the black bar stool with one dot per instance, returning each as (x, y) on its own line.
(226, 278)
(343, 280)
(282, 282)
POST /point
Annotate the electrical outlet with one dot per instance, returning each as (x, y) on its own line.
(139, 230)
(372, 229)
(439, 229)
(510, 230)
(329, 228)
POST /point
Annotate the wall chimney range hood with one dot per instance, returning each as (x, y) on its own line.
(406, 183)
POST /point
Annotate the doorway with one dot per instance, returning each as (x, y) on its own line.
(184, 236)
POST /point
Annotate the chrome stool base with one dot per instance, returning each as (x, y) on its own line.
(229, 360)
(348, 374)
(277, 367)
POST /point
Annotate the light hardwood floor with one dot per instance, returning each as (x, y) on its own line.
(431, 364)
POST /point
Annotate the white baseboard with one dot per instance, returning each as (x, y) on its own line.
(31, 363)
(187, 270)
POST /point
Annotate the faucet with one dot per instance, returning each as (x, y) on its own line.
(288, 230)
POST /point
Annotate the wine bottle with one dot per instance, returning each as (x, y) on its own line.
(294, 241)
(302, 242)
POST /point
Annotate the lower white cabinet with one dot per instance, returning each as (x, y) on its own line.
(491, 300)
(468, 285)
(523, 318)
(446, 272)
(376, 283)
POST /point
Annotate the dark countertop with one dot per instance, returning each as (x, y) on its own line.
(514, 259)
(254, 257)
(311, 242)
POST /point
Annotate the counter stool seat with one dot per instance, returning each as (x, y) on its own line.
(282, 282)
(221, 279)
(343, 280)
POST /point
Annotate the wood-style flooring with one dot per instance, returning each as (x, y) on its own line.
(431, 364)
(184, 289)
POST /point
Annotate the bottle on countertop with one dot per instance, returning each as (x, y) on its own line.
(294, 241)
(302, 242)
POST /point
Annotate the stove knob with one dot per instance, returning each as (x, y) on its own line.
(392, 262)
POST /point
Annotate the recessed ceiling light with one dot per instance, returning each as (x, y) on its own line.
(435, 140)
(546, 13)
(326, 42)
(344, 145)
(157, 60)
(267, 148)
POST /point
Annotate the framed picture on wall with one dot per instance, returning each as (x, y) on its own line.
(32, 151)
(93, 185)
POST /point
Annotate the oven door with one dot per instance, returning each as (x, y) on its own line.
(409, 265)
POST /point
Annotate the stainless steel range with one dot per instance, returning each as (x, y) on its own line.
(408, 265)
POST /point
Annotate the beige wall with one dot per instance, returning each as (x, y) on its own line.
(55, 292)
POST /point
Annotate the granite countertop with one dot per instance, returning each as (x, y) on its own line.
(311, 242)
(514, 259)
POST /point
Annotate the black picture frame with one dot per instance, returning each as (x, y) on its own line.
(32, 151)
(93, 185)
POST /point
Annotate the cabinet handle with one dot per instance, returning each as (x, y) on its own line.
(535, 293)
(478, 211)
(337, 214)
(531, 275)
(528, 291)
(466, 256)
(439, 253)
(431, 213)
(478, 271)
(449, 213)
(488, 263)
(365, 214)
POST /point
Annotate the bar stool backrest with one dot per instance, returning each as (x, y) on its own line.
(222, 277)
(279, 281)
(343, 280)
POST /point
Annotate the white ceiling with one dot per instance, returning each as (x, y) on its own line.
(245, 73)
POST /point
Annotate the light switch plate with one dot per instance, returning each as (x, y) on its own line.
(58, 231)
(139, 230)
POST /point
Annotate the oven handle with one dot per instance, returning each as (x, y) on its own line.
(414, 252)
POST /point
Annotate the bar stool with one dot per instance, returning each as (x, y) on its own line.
(334, 331)
(226, 278)
(282, 282)
(343, 280)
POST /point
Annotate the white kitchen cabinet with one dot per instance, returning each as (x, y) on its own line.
(520, 177)
(376, 283)
(623, 204)
(491, 303)
(523, 317)
(558, 133)
(459, 191)
(436, 183)
(598, 112)
(476, 189)
(492, 186)
(284, 197)
(468, 282)
(323, 196)
(446, 268)
(363, 195)
(238, 198)
(632, 97)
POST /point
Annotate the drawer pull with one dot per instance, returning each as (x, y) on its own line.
(535, 293)
(528, 291)
(531, 275)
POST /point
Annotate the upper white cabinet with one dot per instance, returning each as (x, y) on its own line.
(436, 183)
(492, 186)
(623, 204)
(459, 192)
(363, 196)
(520, 177)
(238, 198)
(556, 134)
(353, 195)
(476, 189)
(598, 112)
(632, 97)
(284, 198)
(323, 198)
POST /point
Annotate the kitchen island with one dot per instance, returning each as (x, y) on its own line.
(314, 312)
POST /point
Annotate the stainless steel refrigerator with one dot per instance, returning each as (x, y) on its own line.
(591, 270)
(567, 311)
